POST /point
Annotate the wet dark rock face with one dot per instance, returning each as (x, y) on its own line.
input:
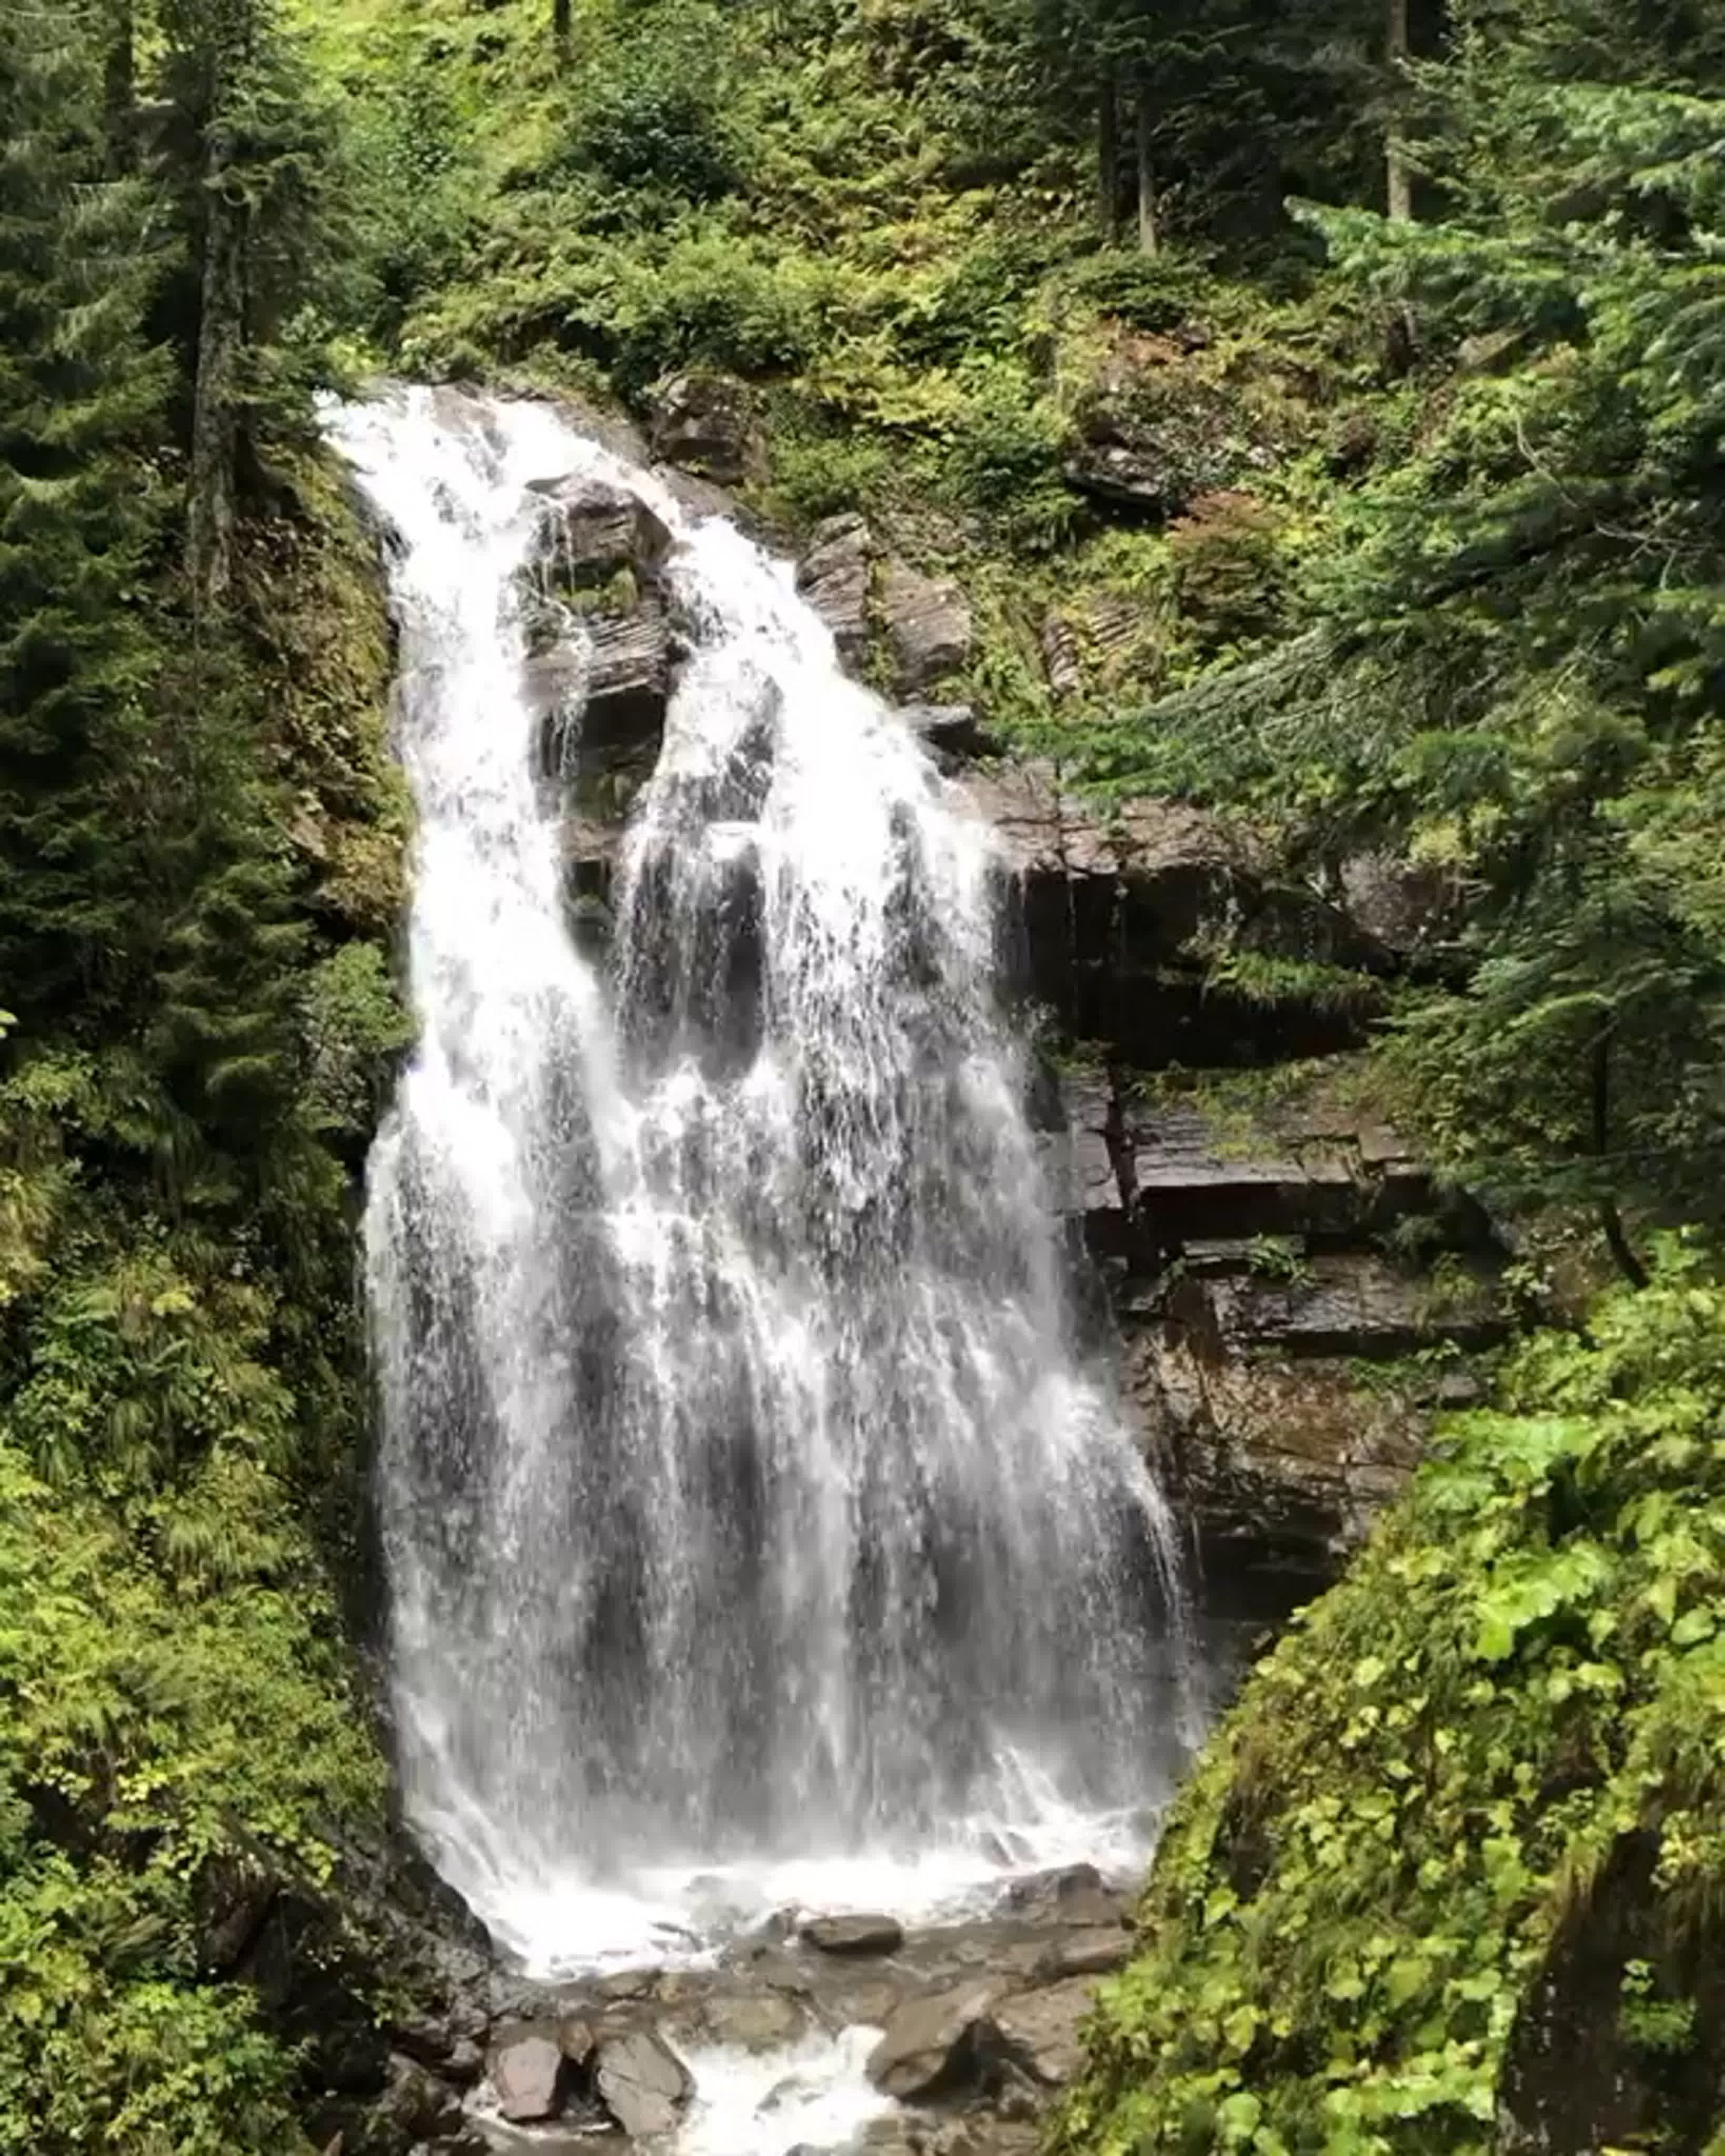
(600, 642)
(1290, 1298)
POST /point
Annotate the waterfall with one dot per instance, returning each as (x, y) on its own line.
(750, 1513)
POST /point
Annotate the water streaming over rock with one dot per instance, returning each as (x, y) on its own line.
(748, 1506)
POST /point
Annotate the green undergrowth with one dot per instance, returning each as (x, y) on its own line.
(179, 1705)
(1455, 1866)
(881, 215)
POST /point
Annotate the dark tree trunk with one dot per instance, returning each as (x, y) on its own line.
(562, 19)
(1149, 234)
(120, 89)
(1108, 161)
(215, 412)
(1623, 1252)
(222, 321)
(1400, 179)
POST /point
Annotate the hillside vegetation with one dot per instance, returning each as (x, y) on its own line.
(1427, 561)
(1451, 1876)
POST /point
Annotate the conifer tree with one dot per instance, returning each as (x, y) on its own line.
(255, 156)
(1518, 662)
(79, 513)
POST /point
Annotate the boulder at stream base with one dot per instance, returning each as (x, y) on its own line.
(1040, 2029)
(643, 2083)
(854, 1935)
(530, 2075)
(938, 2046)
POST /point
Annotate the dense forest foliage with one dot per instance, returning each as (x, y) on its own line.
(1415, 315)
(198, 843)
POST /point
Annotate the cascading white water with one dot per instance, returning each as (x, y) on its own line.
(749, 1511)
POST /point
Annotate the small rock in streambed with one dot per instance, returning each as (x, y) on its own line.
(577, 2042)
(643, 2083)
(937, 2045)
(773, 1929)
(1097, 1952)
(1077, 1894)
(530, 2075)
(976, 2133)
(768, 1965)
(854, 1934)
(1063, 1884)
(465, 2063)
(1040, 2029)
(416, 2103)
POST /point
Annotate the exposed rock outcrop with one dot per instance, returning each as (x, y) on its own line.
(927, 625)
(1156, 425)
(1251, 1229)
(889, 620)
(601, 649)
(1119, 913)
(707, 423)
(1097, 643)
(592, 532)
(835, 574)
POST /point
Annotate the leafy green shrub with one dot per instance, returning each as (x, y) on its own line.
(649, 114)
(1003, 458)
(355, 1028)
(1154, 292)
(411, 152)
(818, 472)
(1227, 572)
(703, 298)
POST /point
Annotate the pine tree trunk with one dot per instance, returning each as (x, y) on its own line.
(1400, 179)
(1624, 1254)
(1108, 162)
(120, 88)
(1149, 238)
(562, 19)
(215, 412)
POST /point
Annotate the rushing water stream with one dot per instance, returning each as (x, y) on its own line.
(756, 1529)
